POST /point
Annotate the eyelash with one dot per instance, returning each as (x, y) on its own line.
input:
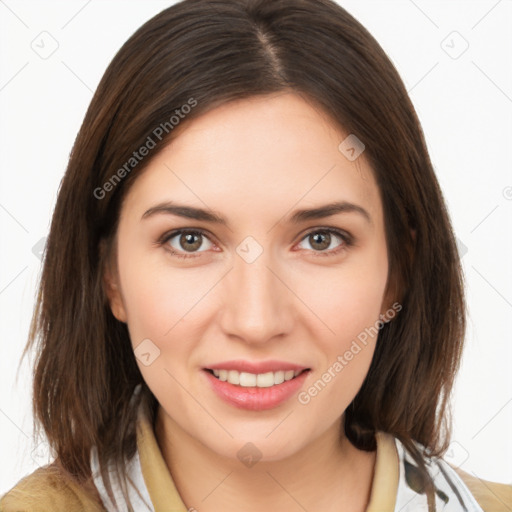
(348, 241)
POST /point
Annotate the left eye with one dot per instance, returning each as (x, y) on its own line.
(322, 240)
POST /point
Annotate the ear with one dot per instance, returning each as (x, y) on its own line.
(111, 284)
(393, 296)
(390, 302)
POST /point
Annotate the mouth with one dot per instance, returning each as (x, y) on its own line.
(256, 380)
(256, 391)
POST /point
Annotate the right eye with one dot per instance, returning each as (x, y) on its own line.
(189, 240)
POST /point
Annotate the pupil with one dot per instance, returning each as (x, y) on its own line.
(189, 240)
(317, 238)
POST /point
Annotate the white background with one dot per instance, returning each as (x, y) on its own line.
(465, 107)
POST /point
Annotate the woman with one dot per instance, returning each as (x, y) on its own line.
(237, 308)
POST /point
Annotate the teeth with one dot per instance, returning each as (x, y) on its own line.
(278, 377)
(248, 379)
(260, 380)
(233, 377)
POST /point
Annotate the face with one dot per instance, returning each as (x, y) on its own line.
(252, 290)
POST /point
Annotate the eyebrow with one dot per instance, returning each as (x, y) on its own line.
(298, 216)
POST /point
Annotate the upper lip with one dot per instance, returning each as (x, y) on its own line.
(256, 367)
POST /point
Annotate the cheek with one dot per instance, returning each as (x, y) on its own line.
(157, 296)
(347, 299)
(350, 307)
(157, 300)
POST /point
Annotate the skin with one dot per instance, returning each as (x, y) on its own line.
(254, 162)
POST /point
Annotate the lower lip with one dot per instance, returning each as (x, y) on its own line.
(255, 398)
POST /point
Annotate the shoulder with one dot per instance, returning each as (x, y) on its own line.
(49, 489)
(491, 496)
(454, 488)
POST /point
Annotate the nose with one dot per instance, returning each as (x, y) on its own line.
(258, 305)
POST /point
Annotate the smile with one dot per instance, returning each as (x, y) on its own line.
(255, 391)
(260, 380)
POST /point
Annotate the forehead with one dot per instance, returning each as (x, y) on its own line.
(273, 152)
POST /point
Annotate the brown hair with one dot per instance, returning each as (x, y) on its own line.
(216, 51)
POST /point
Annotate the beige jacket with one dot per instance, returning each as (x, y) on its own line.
(46, 490)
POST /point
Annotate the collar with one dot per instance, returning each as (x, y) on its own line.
(152, 488)
(165, 496)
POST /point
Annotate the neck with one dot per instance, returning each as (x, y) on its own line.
(328, 474)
